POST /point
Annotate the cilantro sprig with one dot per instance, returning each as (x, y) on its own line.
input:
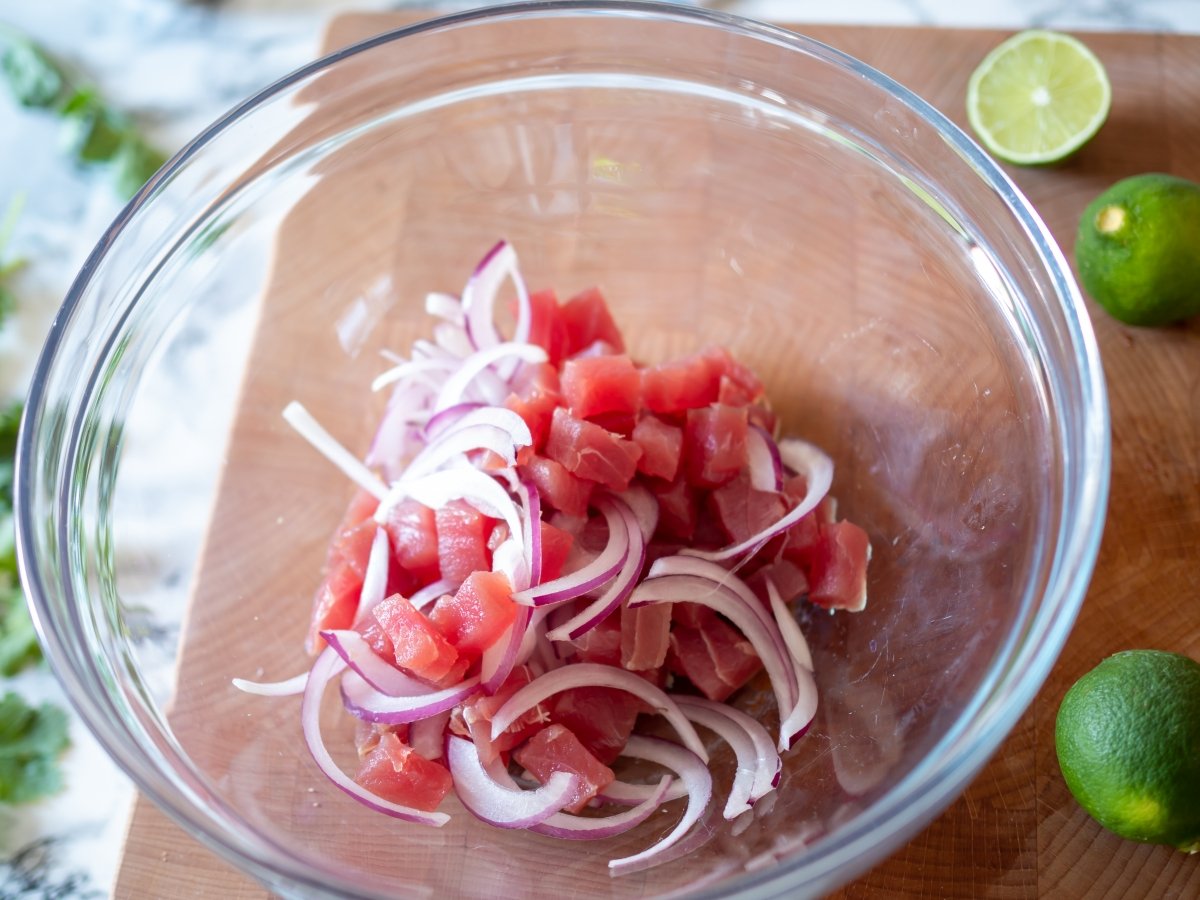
(96, 133)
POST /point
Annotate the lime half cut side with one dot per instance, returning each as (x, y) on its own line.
(1038, 97)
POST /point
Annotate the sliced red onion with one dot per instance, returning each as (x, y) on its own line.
(766, 467)
(479, 297)
(797, 721)
(375, 578)
(328, 664)
(718, 575)
(722, 599)
(500, 658)
(596, 573)
(531, 523)
(470, 415)
(371, 705)
(509, 559)
(371, 668)
(468, 483)
(439, 422)
(768, 765)
(453, 339)
(442, 366)
(627, 794)
(432, 592)
(455, 387)
(287, 688)
(596, 675)
(569, 827)
(498, 804)
(618, 589)
(427, 736)
(817, 469)
(707, 713)
(535, 631)
(694, 774)
(454, 443)
(645, 509)
(444, 306)
(793, 637)
(308, 427)
(393, 442)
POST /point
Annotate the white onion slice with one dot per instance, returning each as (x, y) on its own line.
(375, 671)
(326, 667)
(371, 705)
(594, 574)
(801, 716)
(817, 469)
(596, 675)
(469, 415)
(692, 771)
(286, 688)
(565, 826)
(498, 804)
(299, 418)
(628, 794)
(442, 365)
(722, 599)
(455, 442)
(453, 340)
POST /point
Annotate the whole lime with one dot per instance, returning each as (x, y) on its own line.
(1138, 249)
(1128, 742)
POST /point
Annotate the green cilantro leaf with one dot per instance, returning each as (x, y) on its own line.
(31, 740)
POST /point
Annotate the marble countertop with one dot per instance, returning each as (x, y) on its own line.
(176, 66)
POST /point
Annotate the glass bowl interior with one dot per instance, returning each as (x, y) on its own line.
(722, 183)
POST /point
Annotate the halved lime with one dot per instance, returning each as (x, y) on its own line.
(1038, 97)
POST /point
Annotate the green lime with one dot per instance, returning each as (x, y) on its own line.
(1138, 249)
(1038, 97)
(1128, 741)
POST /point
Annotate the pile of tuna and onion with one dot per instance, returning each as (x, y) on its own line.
(550, 542)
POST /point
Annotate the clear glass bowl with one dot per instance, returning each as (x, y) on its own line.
(723, 182)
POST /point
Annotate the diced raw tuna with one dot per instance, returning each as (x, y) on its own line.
(789, 580)
(477, 717)
(743, 511)
(734, 379)
(557, 487)
(556, 547)
(645, 636)
(714, 444)
(601, 644)
(478, 613)
(546, 326)
(715, 658)
(595, 385)
(462, 534)
(412, 529)
(586, 319)
(602, 718)
(838, 571)
(396, 772)
(536, 394)
(680, 385)
(335, 603)
(662, 447)
(417, 645)
(677, 511)
(588, 451)
(556, 749)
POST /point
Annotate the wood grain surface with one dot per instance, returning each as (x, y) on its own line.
(1015, 832)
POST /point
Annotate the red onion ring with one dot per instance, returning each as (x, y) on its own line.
(374, 587)
(500, 658)
(498, 804)
(596, 675)
(286, 688)
(764, 462)
(692, 771)
(594, 574)
(570, 827)
(371, 705)
(708, 713)
(325, 443)
(326, 667)
(432, 592)
(807, 460)
(455, 387)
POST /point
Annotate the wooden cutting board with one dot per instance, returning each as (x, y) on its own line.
(1016, 832)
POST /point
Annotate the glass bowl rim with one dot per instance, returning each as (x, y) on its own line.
(922, 792)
